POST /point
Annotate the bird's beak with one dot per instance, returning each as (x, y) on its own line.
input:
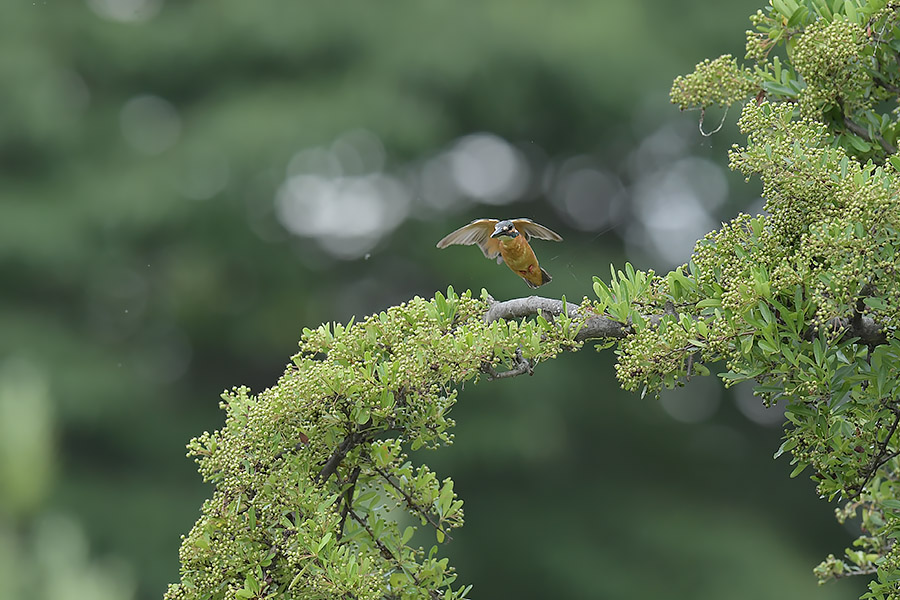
(497, 233)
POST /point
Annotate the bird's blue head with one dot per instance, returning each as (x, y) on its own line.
(504, 229)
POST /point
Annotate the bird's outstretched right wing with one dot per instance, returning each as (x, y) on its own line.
(478, 232)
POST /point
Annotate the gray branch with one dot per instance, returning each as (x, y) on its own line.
(862, 132)
(594, 326)
(522, 366)
(865, 328)
(351, 441)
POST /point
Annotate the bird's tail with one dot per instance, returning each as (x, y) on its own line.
(545, 277)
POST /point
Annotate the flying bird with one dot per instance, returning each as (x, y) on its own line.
(507, 241)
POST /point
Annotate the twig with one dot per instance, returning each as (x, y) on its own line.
(886, 85)
(862, 132)
(331, 465)
(348, 500)
(854, 571)
(879, 459)
(410, 502)
(522, 366)
(386, 552)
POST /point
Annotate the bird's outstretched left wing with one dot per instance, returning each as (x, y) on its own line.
(530, 229)
(477, 232)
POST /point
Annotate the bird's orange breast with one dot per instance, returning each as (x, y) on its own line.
(520, 258)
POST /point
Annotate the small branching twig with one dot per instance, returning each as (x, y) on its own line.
(855, 571)
(862, 132)
(410, 501)
(522, 366)
(351, 441)
(348, 500)
(881, 457)
(386, 552)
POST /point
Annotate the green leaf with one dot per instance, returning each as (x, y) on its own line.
(875, 302)
(766, 312)
(786, 446)
(446, 497)
(710, 302)
(323, 542)
(602, 290)
(799, 469)
(766, 347)
(857, 142)
(801, 409)
(789, 354)
(798, 17)
(702, 328)
(407, 534)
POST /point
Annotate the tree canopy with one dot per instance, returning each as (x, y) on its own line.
(315, 488)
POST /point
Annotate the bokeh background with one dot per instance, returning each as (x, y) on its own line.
(185, 185)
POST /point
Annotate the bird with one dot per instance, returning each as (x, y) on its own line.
(507, 241)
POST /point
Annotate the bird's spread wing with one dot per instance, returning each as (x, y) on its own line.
(530, 229)
(477, 232)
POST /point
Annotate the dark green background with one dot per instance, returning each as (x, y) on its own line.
(138, 281)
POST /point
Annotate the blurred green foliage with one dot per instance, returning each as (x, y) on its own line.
(144, 270)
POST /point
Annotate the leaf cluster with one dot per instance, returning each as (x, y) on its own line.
(315, 493)
(801, 300)
(836, 62)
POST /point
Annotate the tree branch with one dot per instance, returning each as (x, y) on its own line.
(523, 365)
(886, 85)
(410, 502)
(348, 500)
(594, 326)
(859, 326)
(879, 459)
(331, 465)
(386, 552)
(862, 132)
